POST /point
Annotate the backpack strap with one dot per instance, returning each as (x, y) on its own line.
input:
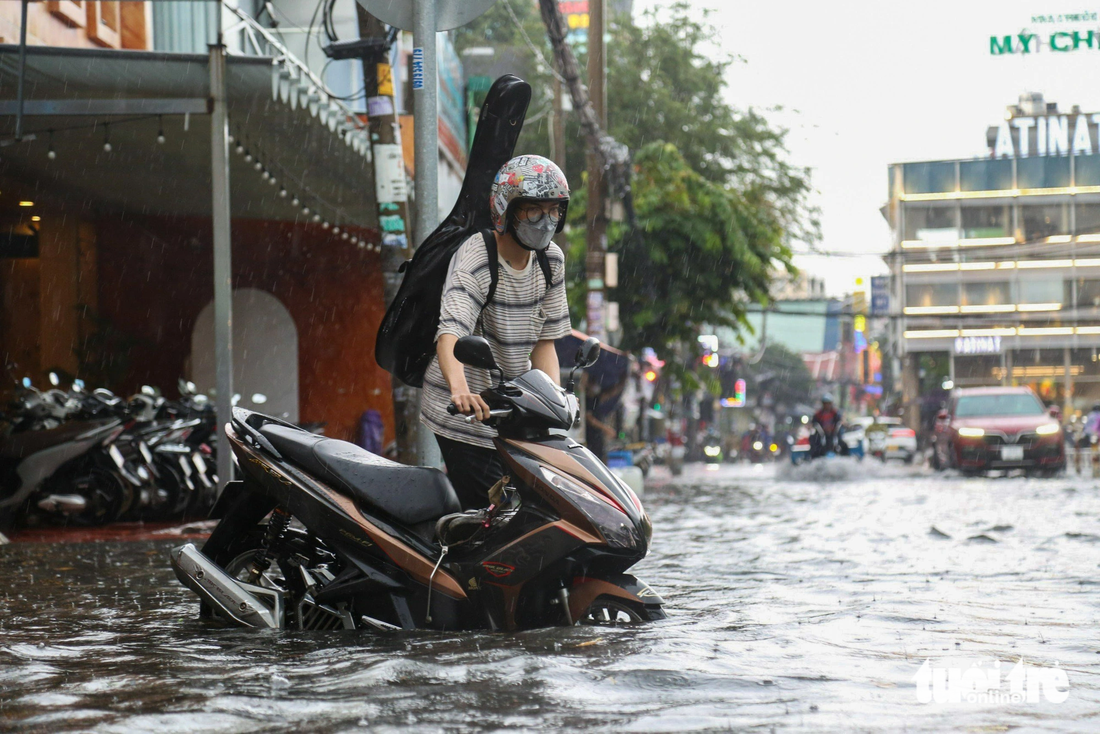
(494, 264)
(544, 263)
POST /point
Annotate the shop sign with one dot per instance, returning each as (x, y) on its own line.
(1046, 135)
(1051, 33)
(973, 345)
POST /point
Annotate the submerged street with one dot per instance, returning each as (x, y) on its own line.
(801, 600)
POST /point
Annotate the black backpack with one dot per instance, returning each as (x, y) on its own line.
(406, 339)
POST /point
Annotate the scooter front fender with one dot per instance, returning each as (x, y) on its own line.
(586, 590)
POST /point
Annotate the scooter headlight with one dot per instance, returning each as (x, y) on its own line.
(616, 528)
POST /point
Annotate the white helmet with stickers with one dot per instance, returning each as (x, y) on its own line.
(528, 178)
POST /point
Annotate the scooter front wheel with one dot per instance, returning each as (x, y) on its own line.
(607, 611)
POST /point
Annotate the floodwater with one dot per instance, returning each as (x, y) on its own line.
(797, 600)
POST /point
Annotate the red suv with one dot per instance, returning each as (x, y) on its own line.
(998, 428)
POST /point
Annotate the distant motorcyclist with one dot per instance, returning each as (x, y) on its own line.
(1092, 421)
(1089, 437)
(829, 420)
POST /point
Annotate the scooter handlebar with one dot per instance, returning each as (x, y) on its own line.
(497, 413)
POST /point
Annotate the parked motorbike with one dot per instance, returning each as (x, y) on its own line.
(321, 534)
(65, 472)
(147, 463)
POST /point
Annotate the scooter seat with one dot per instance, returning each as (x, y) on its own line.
(22, 445)
(409, 494)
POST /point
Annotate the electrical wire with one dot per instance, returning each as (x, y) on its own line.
(530, 45)
(309, 30)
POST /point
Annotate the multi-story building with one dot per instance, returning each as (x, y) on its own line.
(996, 261)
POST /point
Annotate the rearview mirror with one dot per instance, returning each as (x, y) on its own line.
(1055, 411)
(475, 351)
(588, 353)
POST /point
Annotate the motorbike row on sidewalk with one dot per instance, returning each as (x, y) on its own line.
(79, 457)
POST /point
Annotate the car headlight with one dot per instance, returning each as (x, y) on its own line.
(971, 432)
(1047, 429)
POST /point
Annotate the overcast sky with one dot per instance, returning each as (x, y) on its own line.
(865, 84)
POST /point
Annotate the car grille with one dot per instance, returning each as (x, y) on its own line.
(1027, 440)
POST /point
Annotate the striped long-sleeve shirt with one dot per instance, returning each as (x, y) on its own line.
(522, 313)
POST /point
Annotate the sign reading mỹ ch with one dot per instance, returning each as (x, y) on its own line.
(1051, 32)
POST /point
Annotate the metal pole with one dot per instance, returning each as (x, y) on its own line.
(22, 69)
(425, 119)
(223, 267)
(426, 150)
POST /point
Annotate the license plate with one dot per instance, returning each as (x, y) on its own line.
(1012, 453)
(892, 447)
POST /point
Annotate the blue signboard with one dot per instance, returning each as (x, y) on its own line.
(880, 295)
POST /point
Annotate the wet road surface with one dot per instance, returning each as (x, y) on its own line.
(802, 601)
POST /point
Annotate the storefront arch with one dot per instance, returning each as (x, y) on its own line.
(265, 353)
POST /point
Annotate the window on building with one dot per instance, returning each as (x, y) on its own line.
(1042, 172)
(1088, 218)
(986, 221)
(1086, 169)
(1088, 293)
(930, 223)
(976, 370)
(932, 177)
(1043, 220)
(1041, 290)
(932, 294)
(992, 293)
(985, 175)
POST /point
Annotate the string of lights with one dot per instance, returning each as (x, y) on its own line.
(311, 206)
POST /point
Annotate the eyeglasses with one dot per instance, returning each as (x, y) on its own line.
(533, 214)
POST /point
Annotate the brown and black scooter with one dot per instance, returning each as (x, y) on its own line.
(321, 534)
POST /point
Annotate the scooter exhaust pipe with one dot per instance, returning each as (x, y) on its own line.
(65, 503)
(234, 600)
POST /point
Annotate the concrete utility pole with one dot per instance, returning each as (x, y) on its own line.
(393, 209)
(596, 218)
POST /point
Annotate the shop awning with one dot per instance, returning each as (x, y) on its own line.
(307, 158)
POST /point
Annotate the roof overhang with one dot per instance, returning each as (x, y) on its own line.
(129, 91)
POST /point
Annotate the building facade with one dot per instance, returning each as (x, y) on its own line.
(996, 261)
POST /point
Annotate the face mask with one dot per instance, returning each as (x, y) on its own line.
(536, 236)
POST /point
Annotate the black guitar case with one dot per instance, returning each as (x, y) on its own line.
(406, 339)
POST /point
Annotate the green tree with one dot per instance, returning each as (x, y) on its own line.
(702, 253)
(716, 199)
(507, 27)
(666, 82)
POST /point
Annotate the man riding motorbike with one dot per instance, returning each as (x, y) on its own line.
(521, 320)
(829, 421)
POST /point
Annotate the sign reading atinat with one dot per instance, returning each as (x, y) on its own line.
(1053, 134)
